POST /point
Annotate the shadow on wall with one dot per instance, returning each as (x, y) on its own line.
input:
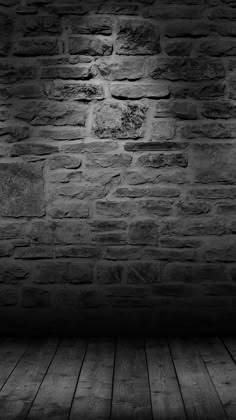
(117, 170)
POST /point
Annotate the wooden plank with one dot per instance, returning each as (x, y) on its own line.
(11, 350)
(131, 394)
(166, 398)
(200, 398)
(54, 398)
(222, 370)
(230, 343)
(94, 390)
(18, 392)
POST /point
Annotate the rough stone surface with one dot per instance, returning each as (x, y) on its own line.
(117, 166)
(120, 120)
(134, 38)
(21, 186)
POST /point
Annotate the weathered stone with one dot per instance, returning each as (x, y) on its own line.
(118, 8)
(123, 253)
(180, 48)
(83, 191)
(64, 162)
(36, 47)
(38, 25)
(114, 208)
(72, 90)
(54, 113)
(107, 225)
(178, 242)
(155, 146)
(79, 273)
(6, 28)
(90, 45)
(191, 227)
(169, 254)
(33, 297)
(216, 47)
(119, 120)
(163, 129)
(58, 232)
(219, 109)
(187, 207)
(108, 273)
(143, 232)
(10, 73)
(226, 208)
(213, 163)
(194, 273)
(188, 29)
(199, 91)
(155, 207)
(138, 91)
(61, 134)
(76, 251)
(91, 147)
(67, 72)
(177, 109)
(225, 252)
(8, 297)
(27, 91)
(68, 209)
(222, 13)
(121, 68)
(160, 160)
(11, 272)
(137, 38)
(189, 69)
(225, 30)
(108, 160)
(21, 187)
(32, 149)
(217, 130)
(213, 193)
(91, 25)
(109, 238)
(143, 272)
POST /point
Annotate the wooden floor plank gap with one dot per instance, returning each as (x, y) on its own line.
(15, 366)
(32, 402)
(72, 400)
(149, 385)
(226, 416)
(227, 349)
(177, 377)
(113, 376)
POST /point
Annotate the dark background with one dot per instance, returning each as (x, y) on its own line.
(117, 166)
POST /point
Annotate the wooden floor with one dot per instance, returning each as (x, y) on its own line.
(102, 379)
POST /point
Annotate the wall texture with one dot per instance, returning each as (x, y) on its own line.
(117, 165)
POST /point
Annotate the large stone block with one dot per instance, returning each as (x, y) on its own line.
(21, 190)
(188, 69)
(52, 113)
(137, 38)
(120, 120)
(73, 90)
(121, 68)
(213, 163)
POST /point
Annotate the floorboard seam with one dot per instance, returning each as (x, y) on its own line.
(76, 385)
(33, 400)
(177, 378)
(199, 351)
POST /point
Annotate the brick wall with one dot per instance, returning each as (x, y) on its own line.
(117, 165)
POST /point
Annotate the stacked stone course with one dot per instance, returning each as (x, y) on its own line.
(117, 165)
